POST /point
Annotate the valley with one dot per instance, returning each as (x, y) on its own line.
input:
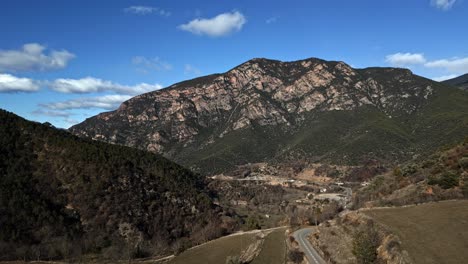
(281, 162)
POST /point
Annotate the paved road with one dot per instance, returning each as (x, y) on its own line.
(301, 237)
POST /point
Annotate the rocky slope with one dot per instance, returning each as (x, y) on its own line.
(267, 110)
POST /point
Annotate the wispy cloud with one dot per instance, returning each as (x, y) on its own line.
(191, 70)
(31, 57)
(271, 20)
(106, 102)
(93, 85)
(458, 65)
(64, 116)
(445, 77)
(11, 83)
(220, 25)
(145, 65)
(67, 108)
(443, 4)
(402, 59)
(51, 113)
(146, 10)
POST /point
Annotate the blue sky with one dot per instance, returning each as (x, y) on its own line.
(64, 61)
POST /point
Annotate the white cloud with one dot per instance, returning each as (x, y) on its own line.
(146, 10)
(144, 65)
(190, 69)
(217, 26)
(451, 65)
(32, 58)
(106, 102)
(93, 85)
(84, 85)
(445, 77)
(443, 4)
(10, 83)
(401, 59)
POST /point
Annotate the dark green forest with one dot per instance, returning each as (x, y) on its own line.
(66, 197)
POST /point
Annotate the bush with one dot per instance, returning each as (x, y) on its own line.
(449, 180)
(397, 172)
(295, 256)
(445, 181)
(253, 223)
(410, 170)
(463, 163)
(365, 244)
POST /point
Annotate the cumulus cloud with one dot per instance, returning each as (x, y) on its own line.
(443, 4)
(401, 59)
(106, 102)
(146, 10)
(93, 85)
(220, 25)
(452, 66)
(190, 69)
(459, 65)
(11, 83)
(145, 65)
(31, 57)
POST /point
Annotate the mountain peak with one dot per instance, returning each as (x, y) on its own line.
(238, 113)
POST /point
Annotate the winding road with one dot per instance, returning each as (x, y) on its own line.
(311, 254)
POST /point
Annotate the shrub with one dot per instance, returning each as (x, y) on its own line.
(410, 170)
(463, 163)
(445, 181)
(449, 180)
(365, 244)
(253, 223)
(295, 256)
(397, 172)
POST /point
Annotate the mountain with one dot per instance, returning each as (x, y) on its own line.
(460, 81)
(62, 197)
(272, 111)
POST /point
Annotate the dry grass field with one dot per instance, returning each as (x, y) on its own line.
(273, 250)
(217, 251)
(431, 233)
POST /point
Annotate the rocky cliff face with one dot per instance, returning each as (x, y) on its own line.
(264, 99)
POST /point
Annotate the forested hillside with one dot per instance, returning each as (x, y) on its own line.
(63, 197)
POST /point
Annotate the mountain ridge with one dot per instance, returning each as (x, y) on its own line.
(203, 121)
(460, 81)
